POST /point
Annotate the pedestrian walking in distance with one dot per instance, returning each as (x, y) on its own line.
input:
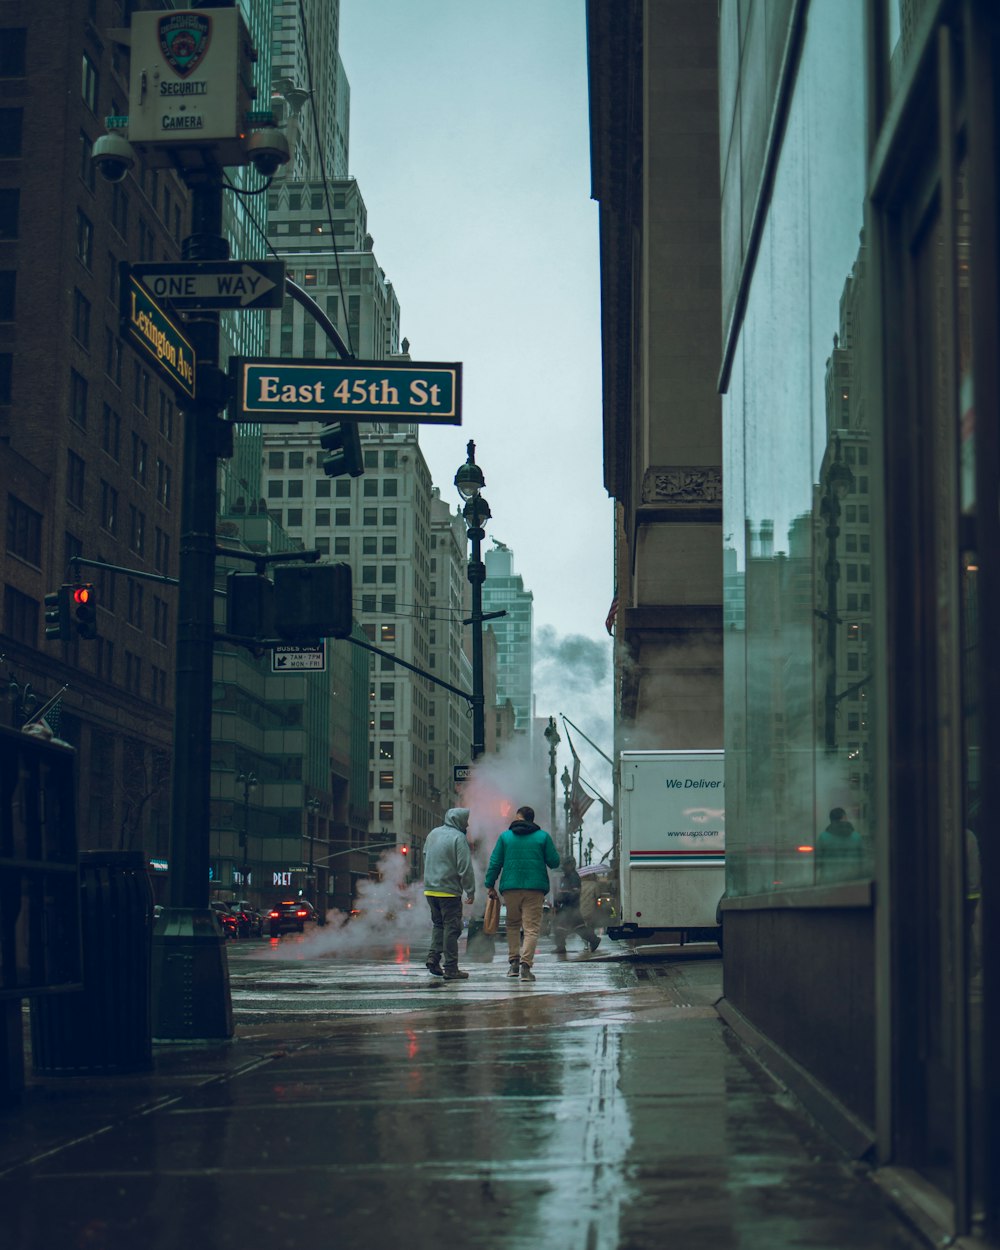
(569, 916)
(448, 874)
(520, 859)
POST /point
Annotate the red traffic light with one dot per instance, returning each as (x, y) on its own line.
(404, 850)
(81, 594)
(84, 609)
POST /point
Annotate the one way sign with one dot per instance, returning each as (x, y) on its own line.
(210, 284)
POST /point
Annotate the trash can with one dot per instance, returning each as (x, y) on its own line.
(107, 1026)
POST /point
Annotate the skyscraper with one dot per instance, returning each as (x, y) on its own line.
(504, 589)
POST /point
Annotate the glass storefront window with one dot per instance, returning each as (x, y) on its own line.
(798, 611)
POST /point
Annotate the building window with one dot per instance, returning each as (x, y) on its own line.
(387, 721)
(8, 287)
(322, 545)
(390, 486)
(370, 487)
(10, 200)
(389, 633)
(75, 470)
(20, 616)
(6, 376)
(164, 483)
(342, 516)
(137, 527)
(293, 517)
(111, 432)
(386, 779)
(159, 686)
(388, 574)
(159, 619)
(119, 210)
(140, 395)
(323, 488)
(113, 356)
(371, 459)
(12, 52)
(275, 459)
(341, 546)
(388, 516)
(90, 84)
(140, 450)
(386, 749)
(367, 603)
(276, 488)
(385, 811)
(109, 508)
(166, 417)
(389, 545)
(81, 318)
(295, 460)
(388, 603)
(133, 673)
(323, 519)
(369, 546)
(84, 239)
(369, 516)
(161, 552)
(343, 488)
(295, 487)
(24, 531)
(368, 629)
(136, 592)
(78, 399)
(368, 574)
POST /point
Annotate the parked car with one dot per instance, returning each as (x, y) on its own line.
(289, 916)
(227, 918)
(249, 921)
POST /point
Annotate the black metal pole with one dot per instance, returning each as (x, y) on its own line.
(477, 575)
(191, 997)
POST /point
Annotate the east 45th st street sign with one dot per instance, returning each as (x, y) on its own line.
(346, 390)
(215, 284)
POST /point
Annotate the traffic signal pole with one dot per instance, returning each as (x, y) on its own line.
(191, 997)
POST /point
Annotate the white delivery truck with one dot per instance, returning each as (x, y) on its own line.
(671, 846)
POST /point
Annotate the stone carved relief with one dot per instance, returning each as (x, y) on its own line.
(690, 485)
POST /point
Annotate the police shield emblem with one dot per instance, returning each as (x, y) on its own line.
(184, 40)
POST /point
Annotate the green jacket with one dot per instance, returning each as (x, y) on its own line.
(520, 857)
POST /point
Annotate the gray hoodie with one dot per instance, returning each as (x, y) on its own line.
(447, 858)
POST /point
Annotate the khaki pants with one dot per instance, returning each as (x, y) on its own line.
(524, 911)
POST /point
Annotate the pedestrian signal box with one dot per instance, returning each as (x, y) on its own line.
(313, 601)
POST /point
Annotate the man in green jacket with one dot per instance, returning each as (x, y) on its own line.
(520, 859)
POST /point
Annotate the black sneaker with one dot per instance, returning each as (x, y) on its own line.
(434, 968)
(455, 974)
(595, 943)
(514, 968)
(527, 974)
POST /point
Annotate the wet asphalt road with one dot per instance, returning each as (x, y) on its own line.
(604, 1107)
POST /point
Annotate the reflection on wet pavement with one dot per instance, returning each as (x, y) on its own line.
(600, 1108)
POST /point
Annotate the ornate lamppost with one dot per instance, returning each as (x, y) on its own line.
(312, 818)
(469, 482)
(567, 782)
(553, 739)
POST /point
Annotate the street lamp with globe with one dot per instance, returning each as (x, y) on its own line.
(469, 482)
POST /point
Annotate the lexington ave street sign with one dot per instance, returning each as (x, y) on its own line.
(147, 327)
(210, 284)
(278, 389)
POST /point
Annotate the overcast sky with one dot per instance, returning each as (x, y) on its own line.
(470, 143)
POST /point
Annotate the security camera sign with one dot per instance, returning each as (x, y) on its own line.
(189, 83)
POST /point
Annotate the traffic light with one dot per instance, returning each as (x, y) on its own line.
(57, 615)
(404, 849)
(84, 609)
(342, 442)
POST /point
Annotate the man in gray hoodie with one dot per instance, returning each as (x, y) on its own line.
(448, 873)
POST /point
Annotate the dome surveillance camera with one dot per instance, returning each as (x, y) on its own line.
(268, 149)
(114, 156)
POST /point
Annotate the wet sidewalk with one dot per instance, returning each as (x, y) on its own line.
(607, 1107)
